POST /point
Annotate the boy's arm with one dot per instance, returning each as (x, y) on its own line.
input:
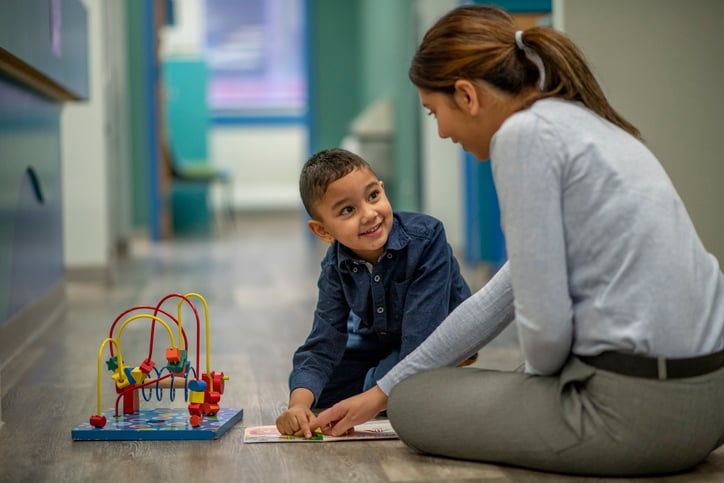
(474, 323)
(301, 397)
(316, 359)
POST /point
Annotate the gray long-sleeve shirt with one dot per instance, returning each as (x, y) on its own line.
(602, 252)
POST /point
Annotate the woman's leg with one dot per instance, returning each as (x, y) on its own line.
(584, 421)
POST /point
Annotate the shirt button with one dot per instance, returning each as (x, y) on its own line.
(354, 269)
(389, 255)
(377, 278)
(380, 310)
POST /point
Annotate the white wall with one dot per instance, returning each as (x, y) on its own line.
(117, 126)
(660, 63)
(185, 37)
(265, 162)
(86, 231)
(443, 192)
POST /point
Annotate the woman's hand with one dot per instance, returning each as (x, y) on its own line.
(341, 418)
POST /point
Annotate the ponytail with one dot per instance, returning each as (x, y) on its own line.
(478, 42)
(567, 75)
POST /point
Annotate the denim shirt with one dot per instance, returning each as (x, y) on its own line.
(414, 285)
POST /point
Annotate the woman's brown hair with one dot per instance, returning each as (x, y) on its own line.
(477, 42)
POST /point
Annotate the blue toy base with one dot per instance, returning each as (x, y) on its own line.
(158, 424)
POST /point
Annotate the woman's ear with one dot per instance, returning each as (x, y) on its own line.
(320, 231)
(467, 96)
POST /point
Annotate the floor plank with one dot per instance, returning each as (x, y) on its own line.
(260, 284)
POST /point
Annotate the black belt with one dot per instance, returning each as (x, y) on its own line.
(655, 367)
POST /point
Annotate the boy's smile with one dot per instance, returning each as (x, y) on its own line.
(355, 212)
(374, 231)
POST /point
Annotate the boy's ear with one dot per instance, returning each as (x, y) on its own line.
(320, 231)
(467, 96)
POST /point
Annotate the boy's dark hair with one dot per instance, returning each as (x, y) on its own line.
(324, 168)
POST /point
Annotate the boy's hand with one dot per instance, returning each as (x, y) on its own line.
(295, 421)
(341, 418)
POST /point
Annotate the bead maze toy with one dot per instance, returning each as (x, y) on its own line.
(203, 418)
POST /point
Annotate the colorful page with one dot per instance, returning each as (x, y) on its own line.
(375, 429)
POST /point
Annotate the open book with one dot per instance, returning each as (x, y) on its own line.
(375, 429)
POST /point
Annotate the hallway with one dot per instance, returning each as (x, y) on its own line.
(260, 284)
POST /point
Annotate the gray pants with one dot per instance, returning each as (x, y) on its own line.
(583, 421)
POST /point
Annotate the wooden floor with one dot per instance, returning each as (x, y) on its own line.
(259, 280)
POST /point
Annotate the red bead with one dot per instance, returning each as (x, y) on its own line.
(98, 421)
(212, 397)
(195, 409)
(211, 409)
(147, 365)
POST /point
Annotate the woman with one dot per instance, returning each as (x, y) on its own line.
(618, 306)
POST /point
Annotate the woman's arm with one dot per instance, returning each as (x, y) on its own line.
(342, 417)
(529, 170)
(473, 324)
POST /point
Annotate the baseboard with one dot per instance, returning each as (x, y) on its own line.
(23, 328)
(101, 275)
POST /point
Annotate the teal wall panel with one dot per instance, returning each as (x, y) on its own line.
(359, 51)
(388, 43)
(187, 113)
(140, 128)
(334, 89)
(187, 125)
(522, 6)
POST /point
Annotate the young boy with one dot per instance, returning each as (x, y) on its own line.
(388, 279)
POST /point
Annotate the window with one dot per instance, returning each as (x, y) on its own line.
(256, 57)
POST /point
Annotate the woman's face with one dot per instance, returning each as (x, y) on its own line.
(462, 118)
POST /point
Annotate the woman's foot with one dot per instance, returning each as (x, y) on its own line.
(469, 360)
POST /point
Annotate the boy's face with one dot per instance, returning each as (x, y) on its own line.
(355, 212)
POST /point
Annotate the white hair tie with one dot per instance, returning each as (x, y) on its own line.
(533, 57)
